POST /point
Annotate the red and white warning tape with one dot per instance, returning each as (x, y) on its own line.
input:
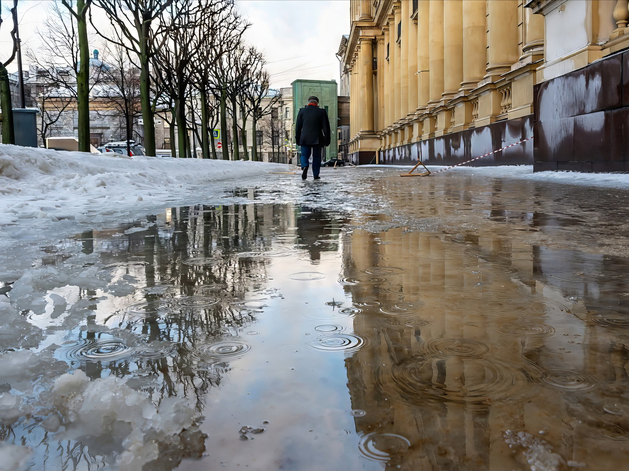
(484, 155)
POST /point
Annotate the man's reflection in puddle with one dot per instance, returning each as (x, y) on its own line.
(312, 225)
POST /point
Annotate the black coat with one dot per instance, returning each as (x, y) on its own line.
(313, 127)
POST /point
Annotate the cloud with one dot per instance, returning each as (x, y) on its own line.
(298, 37)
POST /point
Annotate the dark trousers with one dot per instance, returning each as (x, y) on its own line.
(316, 158)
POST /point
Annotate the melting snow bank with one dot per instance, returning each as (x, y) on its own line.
(53, 185)
(47, 194)
(122, 427)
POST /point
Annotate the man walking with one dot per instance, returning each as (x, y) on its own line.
(312, 132)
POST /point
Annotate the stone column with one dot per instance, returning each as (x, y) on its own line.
(352, 105)
(405, 18)
(474, 42)
(411, 38)
(423, 54)
(381, 64)
(436, 50)
(533, 34)
(388, 86)
(366, 74)
(503, 36)
(397, 65)
(365, 10)
(453, 47)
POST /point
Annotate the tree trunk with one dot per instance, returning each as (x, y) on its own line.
(173, 120)
(83, 79)
(205, 132)
(8, 132)
(181, 128)
(244, 135)
(254, 140)
(236, 151)
(145, 91)
(224, 124)
(212, 127)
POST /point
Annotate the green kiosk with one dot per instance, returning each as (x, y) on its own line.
(326, 91)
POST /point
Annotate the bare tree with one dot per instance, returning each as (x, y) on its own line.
(262, 100)
(57, 62)
(134, 29)
(250, 65)
(53, 104)
(175, 56)
(8, 132)
(83, 72)
(218, 35)
(121, 89)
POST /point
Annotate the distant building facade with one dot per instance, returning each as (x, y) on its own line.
(449, 80)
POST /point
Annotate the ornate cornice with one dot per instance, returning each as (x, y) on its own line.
(543, 6)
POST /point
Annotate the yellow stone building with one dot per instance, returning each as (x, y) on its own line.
(447, 80)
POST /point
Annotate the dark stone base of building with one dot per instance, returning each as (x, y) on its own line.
(455, 148)
(363, 158)
(582, 118)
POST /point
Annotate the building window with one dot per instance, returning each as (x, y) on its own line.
(274, 113)
(287, 112)
(415, 6)
(399, 31)
(387, 51)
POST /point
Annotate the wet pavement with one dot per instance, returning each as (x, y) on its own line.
(361, 322)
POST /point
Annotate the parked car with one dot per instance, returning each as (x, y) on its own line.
(121, 148)
(333, 162)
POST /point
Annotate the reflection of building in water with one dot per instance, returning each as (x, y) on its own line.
(470, 337)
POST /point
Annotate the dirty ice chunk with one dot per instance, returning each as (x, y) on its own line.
(14, 457)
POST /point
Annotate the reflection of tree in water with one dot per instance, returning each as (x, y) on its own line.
(194, 284)
(198, 263)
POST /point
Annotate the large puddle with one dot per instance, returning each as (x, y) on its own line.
(452, 323)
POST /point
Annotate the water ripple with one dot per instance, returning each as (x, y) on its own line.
(568, 380)
(612, 321)
(338, 342)
(408, 320)
(383, 271)
(526, 328)
(402, 307)
(197, 302)
(98, 350)
(155, 352)
(466, 380)
(307, 276)
(227, 349)
(455, 347)
(382, 446)
(328, 328)
(349, 281)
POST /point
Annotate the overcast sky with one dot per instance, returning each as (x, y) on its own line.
(298, 37)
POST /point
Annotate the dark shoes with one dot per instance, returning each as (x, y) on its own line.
(304, 173)
(317, 177)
